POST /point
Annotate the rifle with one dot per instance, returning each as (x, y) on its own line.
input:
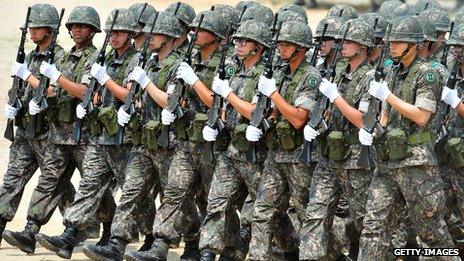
(18, 83)
(258, 115)
(318, 45)
(93, 86)
(40, 92)
(141, 13)
(444, 56)
(129, 101)
(316, 116)
(176, 99)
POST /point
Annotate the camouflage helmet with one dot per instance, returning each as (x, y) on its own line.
(457, 36)
(380, 28)
(406, 29)
(359, 32)
(346, 11)
(286, 16)
(423, 5)
(240, 6)
(185, 13)
(294, 8)
(428, 28)
(126, 21)
(229, 14)
(212, 22)
(256, 31)
(392, 9)
(260, 13)
(297, 32)
(459, 15)
(43, 15)
(166, 24)
(334, 25)
(84, 15)
(440, 18)
(147, 13)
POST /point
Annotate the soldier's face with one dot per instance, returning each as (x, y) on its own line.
(80, 33)
(118, 39)
(156, 41)
(326, 46)
(243, 47)
(455, 50)
(286, 50)
(204, 37)
(350, 49)
(397, 49)
(38, 34)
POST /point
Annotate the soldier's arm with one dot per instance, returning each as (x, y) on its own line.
(243, 107)
(460, 109)
(33, 81)
(205, 94)
(118, 91)
(158, 95)
(352, 114)
(75, 89)
(297, 116)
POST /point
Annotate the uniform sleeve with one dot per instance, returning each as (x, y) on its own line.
(86, 78)
(366, 97)
(306, 94)
(426, 83)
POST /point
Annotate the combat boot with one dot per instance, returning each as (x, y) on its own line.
(149, 238)
(207, 255)
(62, 245)
(157, 252)
(106, 235)
(243, 244)
(114, 250)
(191, 251)
(24, 240)
(2, 227)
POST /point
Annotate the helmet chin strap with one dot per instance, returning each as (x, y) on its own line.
(405, 52)
(293, 55)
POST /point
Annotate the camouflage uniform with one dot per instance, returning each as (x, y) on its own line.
(258, 12)
(185, 14)
(284, 179)
(412, 178)
(346, 11)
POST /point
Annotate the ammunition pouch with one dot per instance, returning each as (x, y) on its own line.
(181, 126)
(289, 137)
(109, 119)
(135, 127)
(397, 144)
(94, 122)
(239, 137)
(455, 148)
(66, 108)
(195, 131)
(338, 146)
(150, 133)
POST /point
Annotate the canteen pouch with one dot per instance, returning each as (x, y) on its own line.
(66, 109)
(151, 131)
(109, 119)
(239, 137)
(338, 150)
(134, 126)
(289, 139)
(195, 131)
(397, 143)
(94, 122)
(455, 149)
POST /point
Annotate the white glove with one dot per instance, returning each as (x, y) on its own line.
(310, 133)
(9, 111)
(99, 72)
(20, 70)
(253, 134)
(167, 117)
(266, 86)
(123, 117)
(50, 71)
(450, 97)
(186, 73)
(139, 75)
(80, 111)
(34, 108)
(221, 87)
(329, 89)
(379, 90)
(365, 137)
(209, 134)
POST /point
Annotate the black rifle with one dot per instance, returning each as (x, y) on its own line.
(141, 13)
(176, 99)
(444, 56)
(318, 45)
(316, 115)
(129, 101)
(17, 87)
(93, 86)
(40, 93)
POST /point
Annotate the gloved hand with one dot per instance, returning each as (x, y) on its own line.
(123, 117)
(99, 72)
(80, 111)
(310, 133)
(34, 108)
(253, 134)
(329, 89)
(221, 87)
(186, 73)
(450, 97)
(139, 75)
(365, 137)
(9, 111)
(167, 117)
(209, 134)
(266, 86)
(379, 90)
(20, 70)
(50, 71)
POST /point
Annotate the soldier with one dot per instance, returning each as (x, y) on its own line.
(441, 19)
(142, 12)
(401, 177)
(379, 33)
(177, 214)
(234, 177)
(27, 153)
(185, 14)
(147, 164)
(103, 160)
(284, 178)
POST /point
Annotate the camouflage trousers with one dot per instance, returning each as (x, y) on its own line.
(188, 173)
(327, 188)
(232, 181)
(26, 156)
(145, 169)
(420, 189)
(280, 183)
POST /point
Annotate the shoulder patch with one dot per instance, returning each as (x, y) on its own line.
(430, 77)
(388, 63)
(230, 70)
(312, 81)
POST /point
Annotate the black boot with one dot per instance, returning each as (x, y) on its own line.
(243, 244)
(24, 240)
(158, 252)
(106, 235)
(2, 227)
(191, 251)
(114, 250)
(62, 245)
(149, 238)
(207, 255)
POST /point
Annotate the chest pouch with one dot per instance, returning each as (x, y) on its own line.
(108, 118)
(195, 131)
(151, 131)
(338, 150)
